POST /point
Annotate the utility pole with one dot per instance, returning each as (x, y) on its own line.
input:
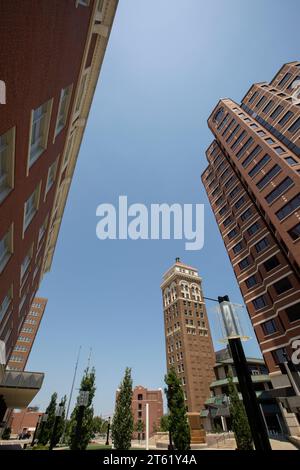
(70, 398)
(256, 420)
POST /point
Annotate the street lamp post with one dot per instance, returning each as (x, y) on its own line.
(82, 402)
(233, 334)
(36, 429)
(107, 434)
(58, 414)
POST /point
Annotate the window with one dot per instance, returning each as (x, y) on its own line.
(259, 302)
(269, 327)
(261, 245)
(26, 262)
(293, 312)
(245, 215)
(235, 130)
(229, 126)
(220, 127)
(279, 355)
(244, 263)
(40, 118)
(51, 176)
(62, 115)
(240, 202)
(285, 118)
(223, 210)
(282, 286)
(234, 192)
(5, 304)
(268, 107)
(279, 150)
(270, 141)
(295, 79)
(140, 396)
(238, 247)
(24, 339)
(245, 147)
(239, 139)
(84, 3)
(227, 221)
(6, 248)
(82, 91)
(253, 229)
(276, 112)
(7, 157)
(288, 208)
(281, 188)
(271, 263)
(253, 97)
(284, 80)
(291, 161)
(268, 176)
(68, 149)
(259, 165)
(31, 206)
(294, 232)
(229, 182)
(232, 234)
(294, 127)
(251, 156)
(261, 102)
(261, 133)
(43, 229)
(251, 281)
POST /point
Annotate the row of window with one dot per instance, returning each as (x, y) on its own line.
(281, 286)
(6, 250)
(38, 141)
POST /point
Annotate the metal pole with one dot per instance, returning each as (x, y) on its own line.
(107, 434)
(36, 430)
(255, 418)
(79, 426)
(147, 426)
(54, 432)
(71, 393)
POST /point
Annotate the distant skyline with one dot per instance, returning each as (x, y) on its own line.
(167, 64)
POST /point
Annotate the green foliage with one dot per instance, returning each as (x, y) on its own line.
(122, 425)
(85, 433)
(45, 431)
(99, 425)
(6, 434)
(164, 423)
(240, 425)
(60, 423)
(177, 419)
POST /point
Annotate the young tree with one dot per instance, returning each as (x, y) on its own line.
(139, 427)
(122, 425)
(240, 425)
(99, 425)
(44, 434)
(178, 424)
(164, 423)
(60, 423)
(81, 426)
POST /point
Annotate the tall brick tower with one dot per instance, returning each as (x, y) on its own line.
(189, 347)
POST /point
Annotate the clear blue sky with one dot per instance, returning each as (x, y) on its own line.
(167, 64)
